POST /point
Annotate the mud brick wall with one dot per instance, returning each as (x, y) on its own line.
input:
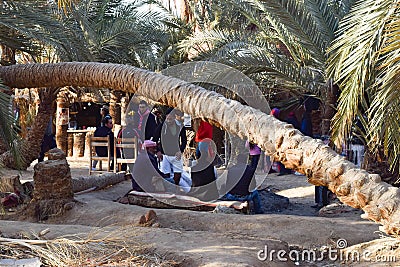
(53, 177)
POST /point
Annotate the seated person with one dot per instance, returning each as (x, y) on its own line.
(204, 176)
(145, 172)
(243, 190)
(104, 131)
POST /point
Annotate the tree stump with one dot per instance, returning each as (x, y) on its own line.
(53, 186)
(79, 144)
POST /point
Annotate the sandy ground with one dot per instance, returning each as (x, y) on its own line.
(210, 239)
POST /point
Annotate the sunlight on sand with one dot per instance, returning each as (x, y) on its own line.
(297, 192)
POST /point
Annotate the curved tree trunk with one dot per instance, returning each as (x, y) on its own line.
(332, 92)
(30, 146)
(7, 55)
(322, 165)
(115, 106)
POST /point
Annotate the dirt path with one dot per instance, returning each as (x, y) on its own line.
(205, 238)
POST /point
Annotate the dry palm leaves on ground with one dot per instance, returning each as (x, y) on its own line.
(96, 249)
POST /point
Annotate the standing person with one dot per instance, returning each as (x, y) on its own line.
(306, 123)
(128, 131)
(291, 118)
(321, 192)
(172, 139)
(48, 141)
(255, 152)
(204, 175)
(104, 131)
(144, 121)
(158, 115)
(244, 189)
(282, 170)
(104, 111)
(203, 137)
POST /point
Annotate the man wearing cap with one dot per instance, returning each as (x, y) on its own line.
(172, 139)
(145, 172)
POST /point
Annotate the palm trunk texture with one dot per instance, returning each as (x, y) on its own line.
(323, 166)
(30, 145)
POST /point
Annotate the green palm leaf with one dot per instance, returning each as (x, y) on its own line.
(295, 23)
(385, 107)
(353, 60)
(9, 135)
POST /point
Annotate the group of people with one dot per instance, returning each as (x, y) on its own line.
(159, 165)
(147, 176)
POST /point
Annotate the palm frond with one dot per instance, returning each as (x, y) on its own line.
(93, 30)
(255, 59)
(8, 126)
(252, 56)
(293, 24)
(326, 14)
(201, 44)
(385, 107)
(353, 59)
(39, 24)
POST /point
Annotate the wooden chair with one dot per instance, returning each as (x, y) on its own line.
(129, 147)
(96, 142)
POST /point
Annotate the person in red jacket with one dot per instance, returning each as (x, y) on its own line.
(203, 137)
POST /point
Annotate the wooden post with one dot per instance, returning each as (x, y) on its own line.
(70, 144)
(79, 144)
(87, 144)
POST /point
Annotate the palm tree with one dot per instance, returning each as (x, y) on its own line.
(355, 187)
(280, 44)
(364, 62)
(9, 136)
(23, 152)
(102, 30)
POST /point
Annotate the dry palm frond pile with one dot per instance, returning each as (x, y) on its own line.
(99, 249)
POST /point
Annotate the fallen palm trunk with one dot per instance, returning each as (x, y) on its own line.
(172, 201)
(321, 164)
(97, 181)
